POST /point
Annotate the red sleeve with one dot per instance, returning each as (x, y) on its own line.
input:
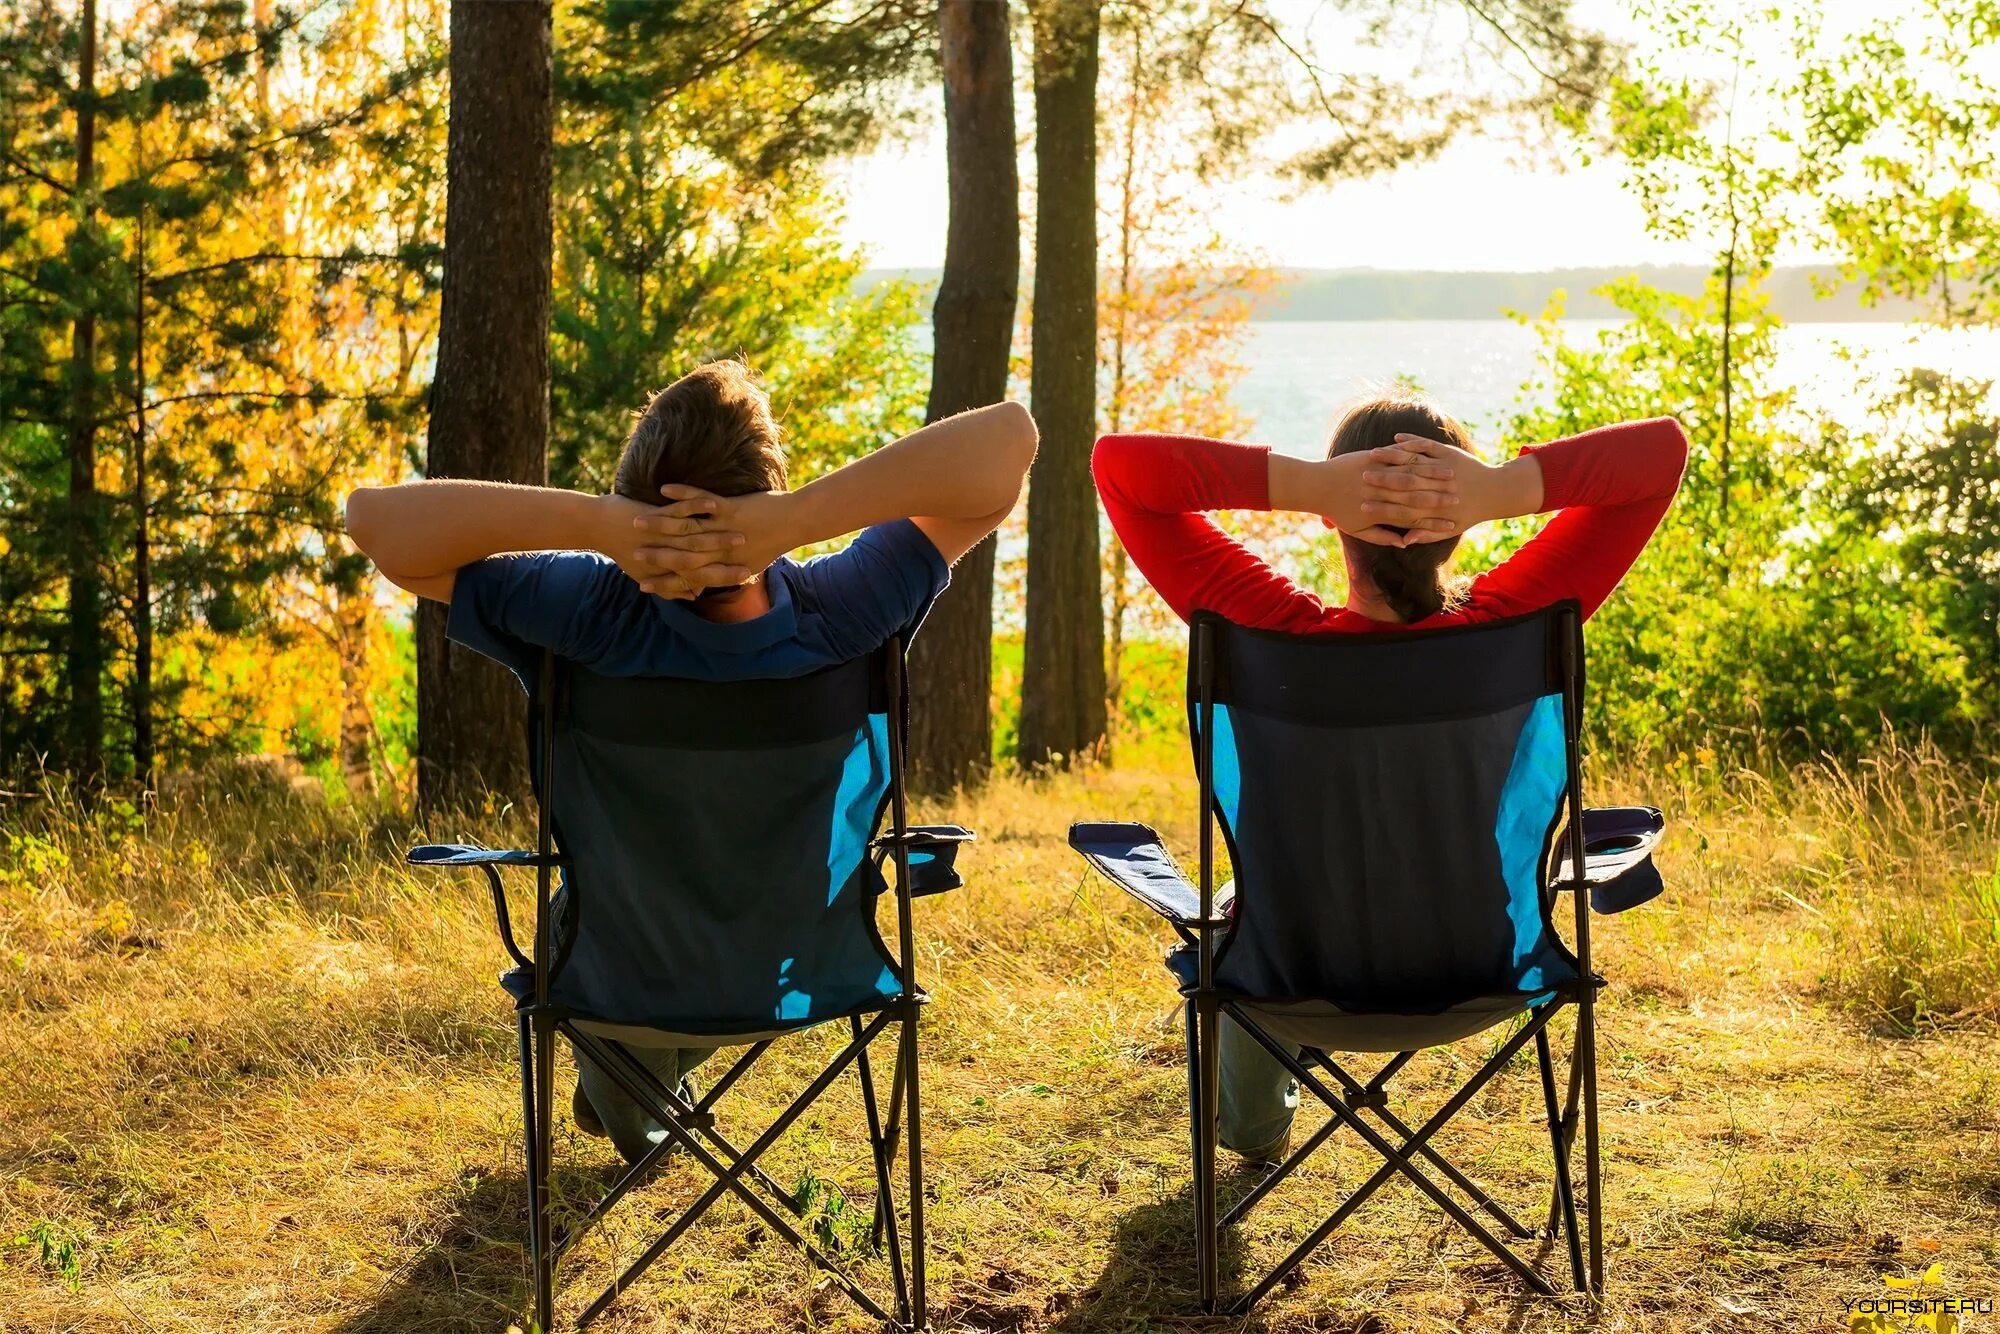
(1613, 486)
(1156, 488)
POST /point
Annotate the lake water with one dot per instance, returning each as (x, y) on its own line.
(1301, 373)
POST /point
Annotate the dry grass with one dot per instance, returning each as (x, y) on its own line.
(256, 1077)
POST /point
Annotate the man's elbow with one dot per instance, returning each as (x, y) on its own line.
(1023, 436)
(364, 519)
(1019, 439)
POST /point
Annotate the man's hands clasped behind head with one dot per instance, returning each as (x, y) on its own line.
(697, 540)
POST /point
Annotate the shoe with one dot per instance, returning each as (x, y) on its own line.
(1270, 1155)
(585, 1115)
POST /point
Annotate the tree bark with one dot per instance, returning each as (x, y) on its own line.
(1062, 687)
(353, 615)
(84, 661)
(142, 529)
(951, 663)
(489, 407)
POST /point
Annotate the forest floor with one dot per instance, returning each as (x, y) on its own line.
(256, 1077)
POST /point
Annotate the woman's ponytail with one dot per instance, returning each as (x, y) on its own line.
(1410, 579)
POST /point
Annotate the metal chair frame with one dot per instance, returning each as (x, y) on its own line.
(690, 1126)
(1206, 1005)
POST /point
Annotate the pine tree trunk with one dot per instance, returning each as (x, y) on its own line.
(142, 532)
(951, 663)
(353, 615)
(490, 401)
(84, 661)
(1062, 687)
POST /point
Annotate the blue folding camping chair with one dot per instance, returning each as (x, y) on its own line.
(720, 864)
(1390, 804)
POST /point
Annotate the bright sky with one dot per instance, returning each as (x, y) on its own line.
(1470, 209)
(1483, 204)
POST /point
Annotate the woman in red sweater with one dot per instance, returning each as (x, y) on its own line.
(1400, 484)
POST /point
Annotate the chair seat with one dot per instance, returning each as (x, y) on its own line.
(1326, 1026)
(519, 983)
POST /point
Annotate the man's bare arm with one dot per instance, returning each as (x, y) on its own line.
(420, 534)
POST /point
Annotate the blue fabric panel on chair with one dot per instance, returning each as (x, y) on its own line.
(1228, 773)
(1367, 873)
(1529, 800)
(713, 889)
(864, 777)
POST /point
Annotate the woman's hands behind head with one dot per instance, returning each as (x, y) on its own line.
(1485, 491)
(1395, 496)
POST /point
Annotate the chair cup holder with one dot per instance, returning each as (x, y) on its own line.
(1618, 843)
(933, 857)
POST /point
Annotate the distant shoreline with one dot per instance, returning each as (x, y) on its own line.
(1384, 294)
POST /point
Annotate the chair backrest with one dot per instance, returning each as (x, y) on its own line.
(716, 837)
(1389, 803)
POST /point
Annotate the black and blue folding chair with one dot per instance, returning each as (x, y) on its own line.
(720, 861)
(1390, 804)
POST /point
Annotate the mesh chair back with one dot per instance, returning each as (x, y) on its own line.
(1389, 803)
(716, 838)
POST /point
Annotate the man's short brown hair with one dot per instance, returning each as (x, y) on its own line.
(711, 428)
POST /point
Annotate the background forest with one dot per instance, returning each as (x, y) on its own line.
(254, 254)
(224, 259)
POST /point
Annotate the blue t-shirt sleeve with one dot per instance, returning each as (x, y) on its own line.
(512, 607)
(880, 586)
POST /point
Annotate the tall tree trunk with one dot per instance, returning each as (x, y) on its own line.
(489, 407)
(353, 619)
(142, 536)
(84, 664)
(1062, 687)
(951, 663)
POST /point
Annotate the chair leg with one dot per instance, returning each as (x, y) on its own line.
(1565, 1200)
(885, 1201)
(1205, 1059)
(535, 1117)
(892, 1131)
(1572, 1106)
(1586, 1042)
(914, 1138)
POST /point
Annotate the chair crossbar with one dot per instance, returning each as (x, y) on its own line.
(890, 1138)
(885, 1199)
(1373, 1097)
(1272, 1179)
(666, 1106)
(634, 1078)
(1564, 1198)
(1298, 1156)
(1396, 1157)
(739, 1068)
(1569, 1129)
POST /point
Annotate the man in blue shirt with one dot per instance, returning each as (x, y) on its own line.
(682, 570)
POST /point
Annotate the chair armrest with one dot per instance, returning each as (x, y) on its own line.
(932, 854)
(489, 860)
(1618, 844)
(466, 854)
(1131, 857)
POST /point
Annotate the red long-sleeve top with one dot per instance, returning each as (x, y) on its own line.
(1612, 486)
